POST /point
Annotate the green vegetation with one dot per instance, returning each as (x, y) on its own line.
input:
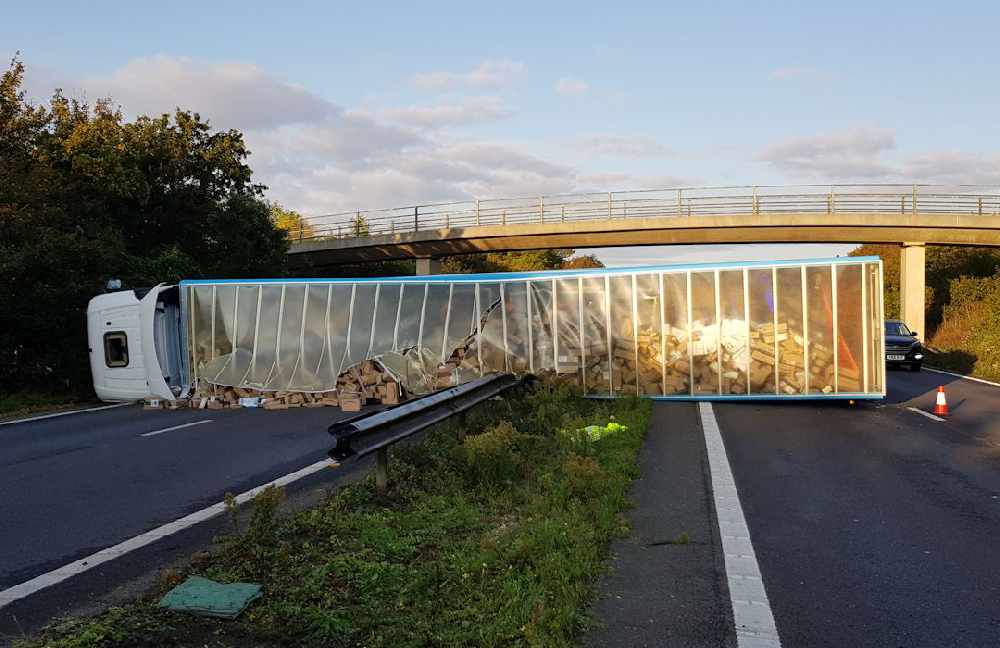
(963, 305)
(86, 196)
(25, 402)
(553, 259)
(492, 542)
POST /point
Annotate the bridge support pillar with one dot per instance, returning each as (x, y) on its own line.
(428, 266)
(911, 287)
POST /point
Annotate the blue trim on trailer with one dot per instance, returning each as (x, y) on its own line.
(751, 397)
(548, 274)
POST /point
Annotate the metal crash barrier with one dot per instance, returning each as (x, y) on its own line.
(362, 435)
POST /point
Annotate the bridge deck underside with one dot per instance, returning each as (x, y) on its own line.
(937, 228)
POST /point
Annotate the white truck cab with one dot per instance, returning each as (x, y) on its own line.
(135, 343)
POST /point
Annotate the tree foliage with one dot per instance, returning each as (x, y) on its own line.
(291, 222)
(550, 259)
(86, 195)
(943, 264)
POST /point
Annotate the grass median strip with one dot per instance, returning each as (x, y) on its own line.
(492, 542)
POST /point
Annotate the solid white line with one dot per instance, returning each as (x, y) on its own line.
(48, 579)
(963, 376)
(55, 414)
(752, 614)
(927, 414)
(176, 427)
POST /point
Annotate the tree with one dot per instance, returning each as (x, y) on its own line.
(546, 259)
(943, 264)
(359, 225)
(86, 195)
(291, 222)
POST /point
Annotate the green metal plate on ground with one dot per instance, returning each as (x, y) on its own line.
(205, 597)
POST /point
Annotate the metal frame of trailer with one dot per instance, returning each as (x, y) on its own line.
(306, 354)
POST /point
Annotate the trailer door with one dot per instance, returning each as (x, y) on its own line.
(155, 376)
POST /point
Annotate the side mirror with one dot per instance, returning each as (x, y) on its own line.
(913, 333)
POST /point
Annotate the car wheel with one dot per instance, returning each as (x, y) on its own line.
(915, 366)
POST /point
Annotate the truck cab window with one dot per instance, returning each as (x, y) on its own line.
(116, 349)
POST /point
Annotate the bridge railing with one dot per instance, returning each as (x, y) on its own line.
(656, 203)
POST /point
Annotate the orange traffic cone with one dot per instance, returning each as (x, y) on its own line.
(941, 408)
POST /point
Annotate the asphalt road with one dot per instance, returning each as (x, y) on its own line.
(75, 484)
(873, 525)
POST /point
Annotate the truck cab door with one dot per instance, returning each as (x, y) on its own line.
(158, 386)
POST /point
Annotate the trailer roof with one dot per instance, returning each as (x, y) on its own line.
(546, 274)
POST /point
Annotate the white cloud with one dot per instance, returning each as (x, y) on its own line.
(623, 181)
(953, 167)
(491, 73)
(847, 154)
(797, 73)
(231, 95)
(631, 146)
(569, 86)
(468, 110)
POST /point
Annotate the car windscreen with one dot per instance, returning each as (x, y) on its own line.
(896, 328)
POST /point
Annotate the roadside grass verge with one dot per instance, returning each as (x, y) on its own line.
(492, 542)
(22, 403)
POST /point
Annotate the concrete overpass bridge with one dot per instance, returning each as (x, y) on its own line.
(910, 215)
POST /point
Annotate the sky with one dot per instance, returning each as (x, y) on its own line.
(372, 105)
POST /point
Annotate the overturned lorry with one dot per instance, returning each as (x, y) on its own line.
(774, 330)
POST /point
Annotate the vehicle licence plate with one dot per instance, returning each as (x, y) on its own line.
(895, 357)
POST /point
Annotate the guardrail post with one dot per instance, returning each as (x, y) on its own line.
(416, 219)
(301, 230)
(503, 217)
(756, 204)
(831, 206)
(609, 206)
(338, 231)
(477, 211)
(902, 204)
(382, 469)
(914, 200)
(980, 206)
(541, 209)
(679, 201)
(563, 216)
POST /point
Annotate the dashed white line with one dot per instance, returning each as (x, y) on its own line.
(962, 376)
(752, 614)
(67, 413)
(48, 579)
(175, 427)
(923, 413)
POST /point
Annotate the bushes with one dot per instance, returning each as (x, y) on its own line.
(968, 339)
(494, 542)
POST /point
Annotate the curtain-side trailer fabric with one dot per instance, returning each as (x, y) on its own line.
(786, 329)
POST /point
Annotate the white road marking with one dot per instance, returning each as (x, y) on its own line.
(923, 413)
(67, 413)
(176, 427)
(752, 614)
(65, 572)
(963, 376)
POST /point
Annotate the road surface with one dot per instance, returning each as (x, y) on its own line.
(75, 484)
(872, 524)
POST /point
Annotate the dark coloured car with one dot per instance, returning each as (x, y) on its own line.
(902, 346)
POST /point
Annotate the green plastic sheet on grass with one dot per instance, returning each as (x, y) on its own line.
(204, 597)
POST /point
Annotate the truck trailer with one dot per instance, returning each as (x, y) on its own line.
(759, 330)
